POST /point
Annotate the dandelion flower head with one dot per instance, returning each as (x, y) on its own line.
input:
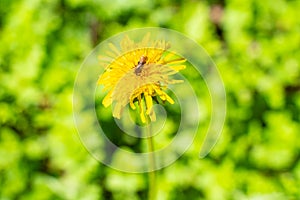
(137, 74)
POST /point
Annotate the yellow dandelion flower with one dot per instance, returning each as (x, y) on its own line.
(139, 72)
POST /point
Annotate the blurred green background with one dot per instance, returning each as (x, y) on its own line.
(255, 45)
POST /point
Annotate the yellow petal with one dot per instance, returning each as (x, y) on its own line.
(176, 61)
(113, 47)
(152, 115)
(141, 109)
(178, 67)
(107, 99)
(117, 111)
(149, 103)
(169, 99)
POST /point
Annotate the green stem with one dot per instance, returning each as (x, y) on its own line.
(151, 173)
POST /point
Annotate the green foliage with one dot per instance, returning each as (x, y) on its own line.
(255, 45)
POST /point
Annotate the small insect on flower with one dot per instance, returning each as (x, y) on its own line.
(140, 65)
